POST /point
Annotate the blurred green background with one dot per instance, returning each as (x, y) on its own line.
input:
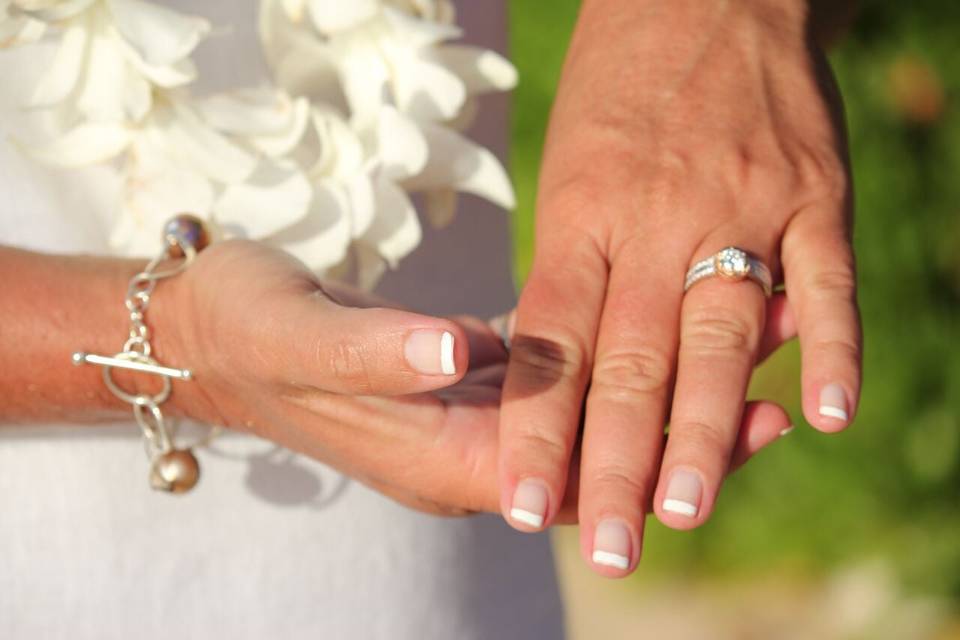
(862, 526)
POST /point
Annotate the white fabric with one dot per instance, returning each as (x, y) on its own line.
(271, 544)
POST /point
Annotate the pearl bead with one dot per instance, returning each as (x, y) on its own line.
(176, 471)
(189, 230)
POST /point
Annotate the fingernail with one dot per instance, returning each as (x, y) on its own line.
(529, 503)
(683, 493)
(787, 431)
(833, 402)
(611, 544)
(431, 352)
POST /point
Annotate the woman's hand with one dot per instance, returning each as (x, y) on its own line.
(681, 128)
(366, 390)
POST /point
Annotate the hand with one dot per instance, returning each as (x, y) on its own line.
(680, 128)
(367, 390)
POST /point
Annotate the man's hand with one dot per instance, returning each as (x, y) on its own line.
(680, 128)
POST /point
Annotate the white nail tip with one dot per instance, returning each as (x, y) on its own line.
(833, 412)
(681, 507)
(447, 364)
(527, 517)
(787, 431)
(608, 559)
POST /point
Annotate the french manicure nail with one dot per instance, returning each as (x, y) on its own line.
(787, 431)
(611, 544)
(833, 402)
(529, 503)
(431, 352)
(683, 493)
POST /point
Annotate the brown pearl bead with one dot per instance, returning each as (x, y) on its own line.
(176, 471)
(189, 230)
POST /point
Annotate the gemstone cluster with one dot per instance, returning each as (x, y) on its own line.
(732, 263)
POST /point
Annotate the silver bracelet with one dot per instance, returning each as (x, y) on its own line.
(172, 469)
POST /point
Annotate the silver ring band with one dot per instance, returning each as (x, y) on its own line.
(731, 264)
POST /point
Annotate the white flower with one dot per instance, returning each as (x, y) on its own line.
(395, 55)
(112, 54)
(371, 98)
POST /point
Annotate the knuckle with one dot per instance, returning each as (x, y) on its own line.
(545, 361)
(719, 329)
(703, 438)
(822, 172)
(839, 350)
(548, 447)
(641, 371)
(615, 478)
(834, 283)
(347, 363)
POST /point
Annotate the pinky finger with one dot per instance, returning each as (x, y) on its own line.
(819, 272)
(763, 424)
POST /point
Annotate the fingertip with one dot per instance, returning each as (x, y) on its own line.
(682, 503)
(763, 424)
(612, 548)
(526, 508)
(830, 409)
(441, 351)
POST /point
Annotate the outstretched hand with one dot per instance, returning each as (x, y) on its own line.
(680, 128)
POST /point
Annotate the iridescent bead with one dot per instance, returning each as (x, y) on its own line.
(176, 471)
(187, 229)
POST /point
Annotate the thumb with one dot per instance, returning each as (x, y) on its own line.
(373, 351)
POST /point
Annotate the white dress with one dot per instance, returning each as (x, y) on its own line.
(270, 544)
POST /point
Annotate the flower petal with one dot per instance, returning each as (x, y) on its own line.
(363, 77)
(53, 10)
(363, 204)
(276, 196)
(282, 142)
(169, 76)
(321, 238)
(370, 266)
(481, 70)
(395, 231)
(440, 206)
(111, 90)
(155, 189)
(427, 91)
(401, 148)
(456, 162)
(415, 33)
(159, 35)
(61, 77)
(257, 111)
(199, 146)
(17, 30)
(88, 143)
(331, 16)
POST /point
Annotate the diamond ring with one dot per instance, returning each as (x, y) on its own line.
(731, 264)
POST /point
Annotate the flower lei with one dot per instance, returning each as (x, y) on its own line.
(367, 106)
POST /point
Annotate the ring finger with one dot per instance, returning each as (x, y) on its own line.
(720, 330)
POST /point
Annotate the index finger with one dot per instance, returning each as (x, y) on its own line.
(550, 360)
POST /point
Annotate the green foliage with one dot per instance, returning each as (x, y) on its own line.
(890, 486)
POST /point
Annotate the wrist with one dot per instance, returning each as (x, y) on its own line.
(179, 341)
